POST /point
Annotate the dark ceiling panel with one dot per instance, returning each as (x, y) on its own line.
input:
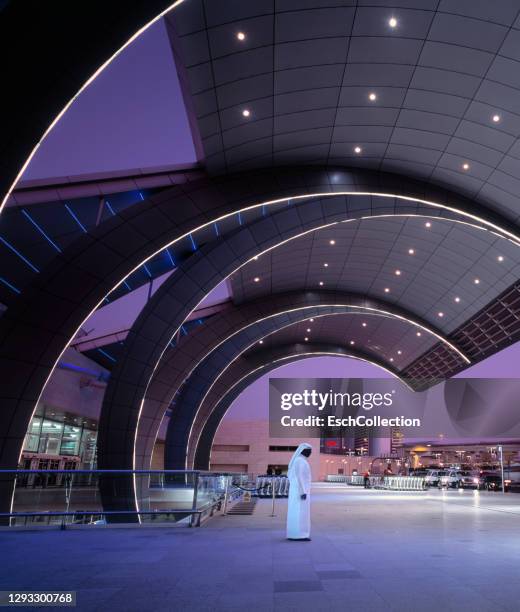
(439, 277)
(304, 71)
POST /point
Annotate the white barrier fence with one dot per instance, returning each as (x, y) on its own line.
(264, 486)
(391, 483)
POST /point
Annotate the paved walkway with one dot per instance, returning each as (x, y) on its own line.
(371, 550)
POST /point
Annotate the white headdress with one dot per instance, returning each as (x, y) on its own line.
(297, 453)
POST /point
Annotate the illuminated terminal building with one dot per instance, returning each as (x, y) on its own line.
(202, 196)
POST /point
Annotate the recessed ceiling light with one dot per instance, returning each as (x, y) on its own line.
(372, 97)
(308, 330)
(398, 272)
(387, 289)
(457, 299)
(477, 281)
(392, 22)
(364, 324)
(399, 352)
(246, 112)
(391, 358)
(418, 334)
(306, 339)
(311, 320)
(411, 251)
(427, 224)
(325, 265)
(261, 342)
(500, 258)
(321, 283)
(441, 314)
(256, 279)
(465, 166)
(496, 118)
(255, 257)
(241, 36)
(332, 242)
(357, 150)
(352, 342)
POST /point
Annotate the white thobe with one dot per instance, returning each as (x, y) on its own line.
(298, 509)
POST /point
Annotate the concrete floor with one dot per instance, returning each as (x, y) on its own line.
(371, 550)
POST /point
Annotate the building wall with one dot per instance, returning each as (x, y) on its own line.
(255, 435)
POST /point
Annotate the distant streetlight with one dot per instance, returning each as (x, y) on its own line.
(500, 450)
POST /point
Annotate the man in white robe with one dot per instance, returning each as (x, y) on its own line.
(299, 506)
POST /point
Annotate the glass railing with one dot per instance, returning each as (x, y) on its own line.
(67, 497)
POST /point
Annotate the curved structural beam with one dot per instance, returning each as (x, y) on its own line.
(34, 39)
(39, 326)
(209, 378)
(193, 364)
(244, 373)
(125, 400)
(271, 314)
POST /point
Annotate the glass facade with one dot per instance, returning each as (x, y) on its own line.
(54, 432)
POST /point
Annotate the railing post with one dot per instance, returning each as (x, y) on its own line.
(273, 494)
(69, 479)
(226, 492)
(194, 506)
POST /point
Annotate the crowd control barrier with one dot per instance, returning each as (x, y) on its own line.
(390, 483)
(265, 484)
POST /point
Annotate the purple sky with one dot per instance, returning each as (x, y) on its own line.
(253, 403)
(131, 116)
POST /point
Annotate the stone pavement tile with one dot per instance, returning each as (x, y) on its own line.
(449, 598)
(295, 574)
(505, 595)
(253, 600)
(357, 590)
(96, 599)
(331, 567)
(338, 574)
(138, 600)
(294, 602)
(297, 586)
(345, 602)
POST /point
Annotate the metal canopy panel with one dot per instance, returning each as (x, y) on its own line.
(447, 259)
(388, 340)
(305, 70)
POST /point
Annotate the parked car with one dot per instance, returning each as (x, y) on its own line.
(459, 479)
(433, 477)
(492, 482)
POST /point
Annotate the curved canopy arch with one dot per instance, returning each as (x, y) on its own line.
(38, 327)
(244, 373)
(249, 323)
(210, 379)
(189, 369)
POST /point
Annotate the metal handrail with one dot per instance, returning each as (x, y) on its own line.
(49, 471)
